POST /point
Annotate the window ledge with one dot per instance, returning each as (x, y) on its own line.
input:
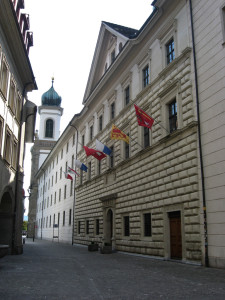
(6, 162)
(2, 95)
(174, 62)
(147, 238)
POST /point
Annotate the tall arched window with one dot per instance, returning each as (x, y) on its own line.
(49, 128)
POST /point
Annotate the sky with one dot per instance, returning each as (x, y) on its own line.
(65, 35)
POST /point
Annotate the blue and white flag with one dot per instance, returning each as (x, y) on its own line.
(80, 165)
(101, 147)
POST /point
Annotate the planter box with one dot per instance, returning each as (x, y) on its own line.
(106, 249)
(93, 247)
(3, 250)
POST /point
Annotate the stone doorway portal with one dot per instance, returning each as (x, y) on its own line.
(109, 227)
(109, 210)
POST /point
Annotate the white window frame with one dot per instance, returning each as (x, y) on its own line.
(91, 134)
(12, 98)
(127, 82)
(166, 98)
(170, 34)
(53, 128)
(99, 114)
(145, 61)
(4, 88)
(112, 100)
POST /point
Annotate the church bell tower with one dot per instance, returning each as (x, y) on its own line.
(50, 113)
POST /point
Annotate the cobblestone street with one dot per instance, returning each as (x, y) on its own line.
(49, 270)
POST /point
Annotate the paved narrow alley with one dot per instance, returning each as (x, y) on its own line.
(49, 270)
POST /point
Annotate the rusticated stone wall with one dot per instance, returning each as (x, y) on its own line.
(158, 179)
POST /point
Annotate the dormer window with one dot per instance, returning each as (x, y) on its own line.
(112, 111)
(29, 40)
(20, 5)
(49, 129)
(106, 67)
(113, 56)
(24, 24)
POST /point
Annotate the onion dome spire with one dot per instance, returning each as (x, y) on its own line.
(51, 97)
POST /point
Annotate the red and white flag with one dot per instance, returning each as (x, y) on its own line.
(68, 176)
(143, 118)
(71, 171)
(96, 153)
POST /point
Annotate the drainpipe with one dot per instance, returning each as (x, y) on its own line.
(74, 198)
(43, 201)
(14, 251)
(199, 141)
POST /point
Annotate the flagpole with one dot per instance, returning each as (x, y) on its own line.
(136, 142)
(74, 196)
(110, 153)
(162, 126)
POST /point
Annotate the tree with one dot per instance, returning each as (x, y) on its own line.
(24, 225)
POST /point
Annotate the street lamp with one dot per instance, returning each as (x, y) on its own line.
(29, 190)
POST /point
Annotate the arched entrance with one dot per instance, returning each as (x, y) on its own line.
(6, 219)
(109, 227)
(109, 213)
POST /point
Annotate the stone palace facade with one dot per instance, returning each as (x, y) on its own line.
(163, 193)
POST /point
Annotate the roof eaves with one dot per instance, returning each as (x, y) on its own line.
(123, 30)
(103, 76)
(131, 37)
(23, 45)
(155, 9)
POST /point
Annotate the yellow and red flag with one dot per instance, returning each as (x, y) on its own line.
(143, 118)
(117, 134)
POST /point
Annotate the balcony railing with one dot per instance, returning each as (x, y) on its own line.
(24, 23)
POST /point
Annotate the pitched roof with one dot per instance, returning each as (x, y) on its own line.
(126, 31)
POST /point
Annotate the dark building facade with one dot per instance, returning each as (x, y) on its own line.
(17, 118)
